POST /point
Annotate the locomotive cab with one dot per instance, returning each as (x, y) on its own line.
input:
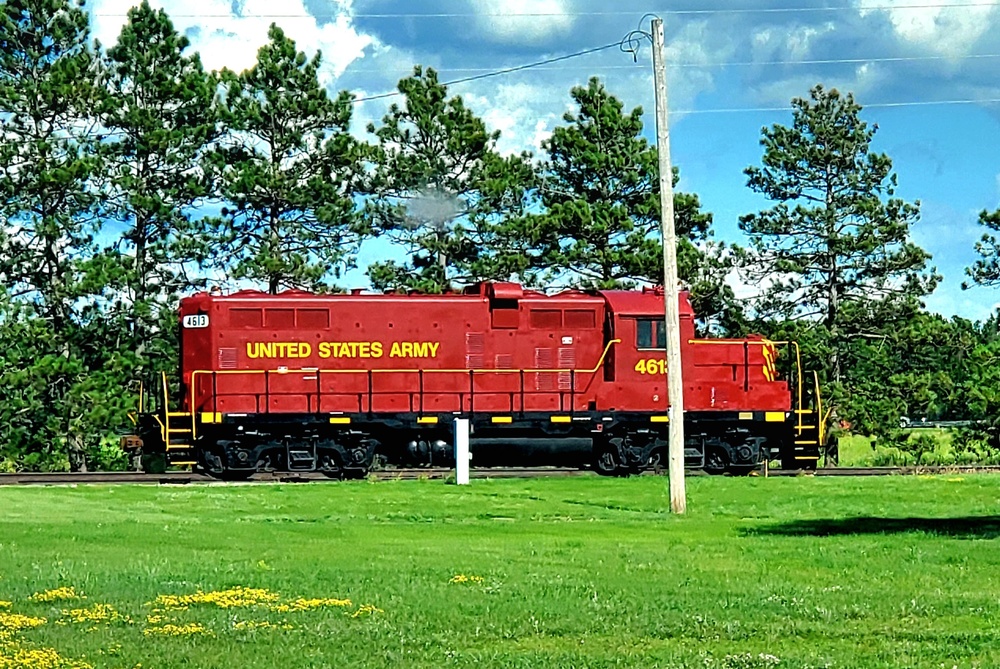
(744, 399)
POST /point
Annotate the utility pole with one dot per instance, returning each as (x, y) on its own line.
(675, 384)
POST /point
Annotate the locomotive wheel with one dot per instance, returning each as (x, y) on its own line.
(606, 462)
(716, 460)
(656, 460)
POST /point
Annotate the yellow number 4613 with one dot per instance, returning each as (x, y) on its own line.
(651, 366)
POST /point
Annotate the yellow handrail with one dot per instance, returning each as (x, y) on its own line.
(819, 411)
(166, 410)
(313, 370)
(798, 379)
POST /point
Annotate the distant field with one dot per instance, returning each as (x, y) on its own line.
(582, 572)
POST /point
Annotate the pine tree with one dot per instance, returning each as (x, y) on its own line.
(836, 246)
(601, 225)
(986, 270)
(48, 90)
(160, 114)
(288, 170)
(442, 191)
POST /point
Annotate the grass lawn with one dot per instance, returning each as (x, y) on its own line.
(581, 572)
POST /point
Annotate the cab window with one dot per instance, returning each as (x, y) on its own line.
(650, 334)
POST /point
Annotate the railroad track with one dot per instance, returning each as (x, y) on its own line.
(183, 478)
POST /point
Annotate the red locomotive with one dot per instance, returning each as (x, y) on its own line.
(337, 383)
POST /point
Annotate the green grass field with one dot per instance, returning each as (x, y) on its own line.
(582, 572)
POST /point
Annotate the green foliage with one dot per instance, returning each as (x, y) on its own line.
(441, 190)
(53, 272)
(837, 235)
(161, 115)
(601, 193)
(288, 169)
(986, 270)
(47, 89)
(978, 445)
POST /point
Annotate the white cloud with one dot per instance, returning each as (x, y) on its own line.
(520, 111)
(549, 18)
(695, 44)
(225, 38)
(947, 27)
(787, 43)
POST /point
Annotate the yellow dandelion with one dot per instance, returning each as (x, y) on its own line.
(238, 597)
(365, 610)
(15, 622)
(98, 613)
(260, 625)
(302, 604)
(5, 604)
(39, 658)
(56, 595)
(188, 629)
(462, 578)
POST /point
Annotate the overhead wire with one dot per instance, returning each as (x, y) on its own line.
(867, 105)
(581, 14)
(623, 45)
(732, 63)
(508, 70)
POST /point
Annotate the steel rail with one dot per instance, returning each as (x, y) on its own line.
(183, 478)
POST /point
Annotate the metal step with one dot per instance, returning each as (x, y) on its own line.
(300, 459)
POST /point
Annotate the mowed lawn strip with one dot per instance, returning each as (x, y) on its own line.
(579, 572)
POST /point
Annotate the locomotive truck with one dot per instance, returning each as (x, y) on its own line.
(342, 383)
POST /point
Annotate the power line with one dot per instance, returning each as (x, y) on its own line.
(496, 73)
(621, 44)
(867, 105)
(694, 65)
(664, 12)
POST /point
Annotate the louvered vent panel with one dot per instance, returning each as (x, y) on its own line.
(227, 358)
(475, 350)
(544, 360)
(505, 361)
(567, 360)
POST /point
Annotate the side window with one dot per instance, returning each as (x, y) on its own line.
(650, 334)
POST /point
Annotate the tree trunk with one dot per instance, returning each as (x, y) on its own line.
(77, 453)
(832, 287)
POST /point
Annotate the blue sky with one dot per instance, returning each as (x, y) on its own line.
(733, 67)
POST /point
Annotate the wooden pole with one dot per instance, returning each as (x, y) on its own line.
(675, 384)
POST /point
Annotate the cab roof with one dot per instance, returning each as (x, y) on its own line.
(647, 302)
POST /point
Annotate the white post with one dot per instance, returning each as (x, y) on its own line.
(675, 385)
(462, 455)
